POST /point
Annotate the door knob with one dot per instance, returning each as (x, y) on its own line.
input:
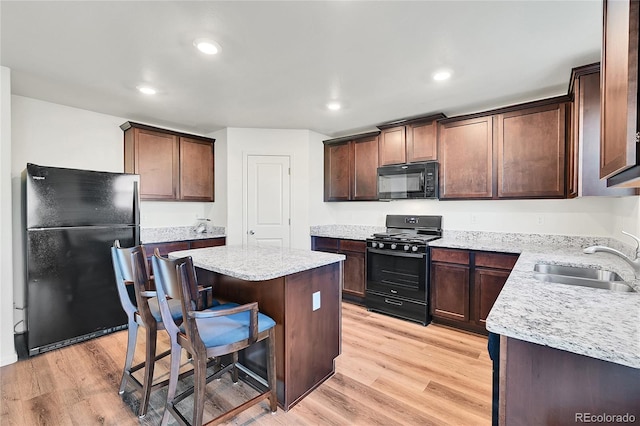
(251, 232)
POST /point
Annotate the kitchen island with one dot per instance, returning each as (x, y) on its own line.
(300, 290)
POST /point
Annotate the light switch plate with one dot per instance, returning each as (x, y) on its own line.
(316, 300)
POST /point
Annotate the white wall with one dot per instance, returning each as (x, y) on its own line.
(217, 211)
(294, 143)
(7, 350)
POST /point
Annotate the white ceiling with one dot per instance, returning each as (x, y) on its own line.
(281, 62)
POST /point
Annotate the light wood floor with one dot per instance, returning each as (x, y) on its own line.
(390, 372)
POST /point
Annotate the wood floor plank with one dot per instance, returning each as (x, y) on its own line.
(390, 372)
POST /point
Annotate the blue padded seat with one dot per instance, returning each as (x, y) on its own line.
(220, 331)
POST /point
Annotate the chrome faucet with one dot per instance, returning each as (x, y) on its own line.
(635, 263)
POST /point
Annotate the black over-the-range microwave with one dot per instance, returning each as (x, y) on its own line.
(403, 181)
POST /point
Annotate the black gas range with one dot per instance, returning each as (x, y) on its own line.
(397, 267)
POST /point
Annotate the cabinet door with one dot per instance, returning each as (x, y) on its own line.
(196, 170)
(487, 286)
(393, 146)
(450, 291)
(354, 273)
(365, 166)
(466, 159)
(531, 152)
(619, 69)
(336, 172)
(156, 161)
(422, 142)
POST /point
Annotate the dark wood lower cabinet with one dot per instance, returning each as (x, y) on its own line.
(450, 291)
(540, 385)
(354, 282)
(465, 284)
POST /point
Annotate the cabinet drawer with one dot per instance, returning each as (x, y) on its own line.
(496, 260)
(351, 245)
(209, 242)
(450, 256)
(325, 244)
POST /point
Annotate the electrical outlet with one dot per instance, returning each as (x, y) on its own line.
(540, 220)
(474, 218)
(315, 300)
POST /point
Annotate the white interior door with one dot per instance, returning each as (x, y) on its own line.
(268, 199)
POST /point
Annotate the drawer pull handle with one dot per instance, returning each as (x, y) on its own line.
(393, 302)
(394, 291)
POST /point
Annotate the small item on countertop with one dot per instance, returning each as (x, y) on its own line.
(201, 226)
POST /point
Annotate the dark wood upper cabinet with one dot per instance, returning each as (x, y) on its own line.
(171, 165)
(393, 146)
(531, 152)
(466, 160)
(619, 152)
(365, 167)
(512, 152)
(409, 141)
(196, 170)
(154, 156)
(583, 145)
(337, 185)
(422, 141)
(350, 168)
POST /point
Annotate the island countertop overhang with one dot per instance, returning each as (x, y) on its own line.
(257, 263)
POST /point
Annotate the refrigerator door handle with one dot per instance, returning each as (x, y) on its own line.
(136, 210)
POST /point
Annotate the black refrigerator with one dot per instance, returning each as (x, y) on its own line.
(72, 218)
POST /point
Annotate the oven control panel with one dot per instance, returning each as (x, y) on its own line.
(400, 246)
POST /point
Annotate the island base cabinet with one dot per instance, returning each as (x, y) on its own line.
(307, 339)
(542, 385)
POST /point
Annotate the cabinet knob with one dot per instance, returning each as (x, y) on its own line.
(251, 232)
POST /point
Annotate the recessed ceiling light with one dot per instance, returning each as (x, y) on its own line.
(147, 90)
(207, 46)
(334, 106)
(442, 75)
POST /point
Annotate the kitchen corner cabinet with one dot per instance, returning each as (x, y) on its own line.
(620, 132)
(465, 285)
(514, 152)
(350, 168)
(172, 165)
(583, 146)
(409, 141)
(354, 265)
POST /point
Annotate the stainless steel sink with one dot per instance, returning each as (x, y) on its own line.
(577, 271)
(586, 277)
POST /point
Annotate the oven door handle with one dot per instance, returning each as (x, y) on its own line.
(396, 253)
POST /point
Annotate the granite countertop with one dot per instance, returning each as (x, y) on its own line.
(178, 233)
(345, 232)
(598, 323)
(257, 263)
